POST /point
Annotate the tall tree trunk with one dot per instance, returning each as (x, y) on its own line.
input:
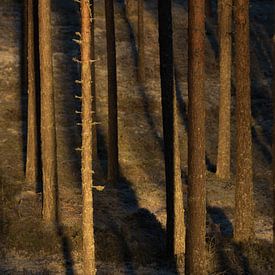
(113, 166)
(273, 140)
(141, 75)
(196, 215)
(48, 131)
(174, 198)
(87, 142)
(32, 144)
(225, 27)
(244, 208)
(93, 87)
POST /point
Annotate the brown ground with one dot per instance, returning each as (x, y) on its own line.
(130, 216)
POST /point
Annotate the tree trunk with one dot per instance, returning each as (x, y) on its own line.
(175, 230)
(273, 141)
(225, 27)
(113, 166)
(32, 144)
(93, 87)
(244, 208)
(48, 131)
(87, 142)
(141, 75)
(196, 215)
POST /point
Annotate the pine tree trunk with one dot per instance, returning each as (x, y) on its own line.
(244, 208)
(225, 27)
(87, 142)
(273, 141)
(32, 144)
(175, 230)
(94, 147)
(113, 166)
(141, 75)
(196, 213)
(48, 131)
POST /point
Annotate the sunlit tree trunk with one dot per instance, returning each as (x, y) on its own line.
(141, 75)
(32, 144)
(225, 43)
(113, 166)
(175, 230)
(48, 131)
(244, 209)
(87, 141)
(196, 212)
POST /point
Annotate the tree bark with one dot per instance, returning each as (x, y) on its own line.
(244, 209)
(175, 229)
(141, 75)
(48, 131)
(208, 8)
(32, 144)
(87, 142)
(113, 165)
(196, 215)
(273, 141)
(225, 27)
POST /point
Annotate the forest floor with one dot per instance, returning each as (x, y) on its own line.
(130, 215)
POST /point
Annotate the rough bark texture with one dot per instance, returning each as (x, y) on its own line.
(244, 208)
(48, 131)
(32, 144)
(87, 142)
(141, 75)
(196, 215)
(113, 166)
(225, 43)
(175, 230)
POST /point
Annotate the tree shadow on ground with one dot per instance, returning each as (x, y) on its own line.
(133, 235)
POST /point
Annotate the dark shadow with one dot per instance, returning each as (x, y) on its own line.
(23, 80)
(66, 250)
(134, 233)
(231, 256)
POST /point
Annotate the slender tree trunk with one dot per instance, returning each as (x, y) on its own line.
(273, 140)
(94, 147)
(32, 144)
(196, 215)
(175, 231)
(48, 131)
(225, 27)
(87, 142)
(141, 75)
(244, 208)
(113, 166)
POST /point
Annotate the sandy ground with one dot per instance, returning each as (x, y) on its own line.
(130, 216)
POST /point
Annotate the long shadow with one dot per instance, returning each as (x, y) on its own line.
(227, 249)
(137, 233)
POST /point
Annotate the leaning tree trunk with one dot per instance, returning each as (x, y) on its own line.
(196, 213)
(87, 141)
(175, 231)
(225, 26)
(244, 208)
(113, 166)
(141, 75)
(48, 131)
(32, 144)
